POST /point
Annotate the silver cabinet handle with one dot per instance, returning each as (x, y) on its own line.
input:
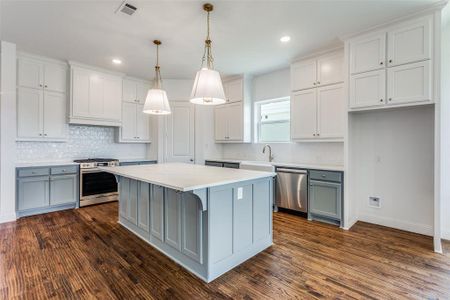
(381, 100)
(390, 61)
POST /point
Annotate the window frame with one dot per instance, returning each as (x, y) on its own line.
(257, 119)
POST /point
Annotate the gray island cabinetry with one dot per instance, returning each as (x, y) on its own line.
(206, 219)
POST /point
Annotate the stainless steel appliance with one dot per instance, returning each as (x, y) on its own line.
(97, 186)
(292, 189)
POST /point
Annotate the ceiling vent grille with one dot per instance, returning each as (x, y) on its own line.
(126, 8)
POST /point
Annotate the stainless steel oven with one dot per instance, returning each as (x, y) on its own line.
(97, 186)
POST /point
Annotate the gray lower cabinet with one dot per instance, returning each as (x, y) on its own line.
(325, 196)
(46, 189)
(138, 163)
(221, 164)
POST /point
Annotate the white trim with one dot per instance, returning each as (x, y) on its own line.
(8, 218)
(93, 68)
(26, 55)
(395, 223)
(257, 120)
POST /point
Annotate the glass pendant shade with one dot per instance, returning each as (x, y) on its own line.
(156, 102)
(208, 88)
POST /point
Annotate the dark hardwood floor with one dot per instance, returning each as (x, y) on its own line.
(85, 254)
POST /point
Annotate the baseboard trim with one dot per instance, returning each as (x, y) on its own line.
(398, 224)
(350, 224)
(446, 235)
(7, 218)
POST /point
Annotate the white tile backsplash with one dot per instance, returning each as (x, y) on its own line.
(83, 142)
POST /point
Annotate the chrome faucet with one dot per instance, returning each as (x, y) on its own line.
(270, 152)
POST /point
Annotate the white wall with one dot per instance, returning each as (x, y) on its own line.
(393, 158)
(7, 131)
(445, 124)
(276, 85)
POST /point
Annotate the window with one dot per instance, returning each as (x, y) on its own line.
(272, 120)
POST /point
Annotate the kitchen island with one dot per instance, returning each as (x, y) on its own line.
(207, 219)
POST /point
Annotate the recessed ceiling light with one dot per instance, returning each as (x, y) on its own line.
(116, 61)
(285, 39)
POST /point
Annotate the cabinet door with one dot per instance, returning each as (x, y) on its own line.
(33, 192)
(142, 89)
(330, 69)
(234, 90)
(409, 83)
(55, 77)
(29, 113)
(304, 115)
(368, 89)
(96, 90)
(55, 115)
(235, 120)
(80, 92)
(331, 111)
(133, 202)
(410, 42)
(220, 123)
(325, 199)
(129, 92)
(63, 189)
(192, 227)
(368, 53)
(111, 100)
(124, 191)
(142, 124)
(128, 130)
(144, 205)
(30, 73)
(157, 212)
(172, 220)
(303, 75)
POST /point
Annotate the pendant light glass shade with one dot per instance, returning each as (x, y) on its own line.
(208, 88)
(156, 102)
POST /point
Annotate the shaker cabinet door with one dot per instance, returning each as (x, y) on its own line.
(54, 116)
(330, 69)
(325, 199)
(234, 90)
(30, 73)
(368, 53)
(55, 78)
(303, 75)
(331, 111)
(129, 92)
(368, 89)
(304, 115)
(235, 120)
(63, 189)
(142, 124)
(128, 129)
(33, 192)
(410, 42)
(220, 123)
(29, 113)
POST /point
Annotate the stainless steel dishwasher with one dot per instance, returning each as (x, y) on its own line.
(292, 189)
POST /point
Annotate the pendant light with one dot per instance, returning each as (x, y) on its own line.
(156, 102)
(208, 88)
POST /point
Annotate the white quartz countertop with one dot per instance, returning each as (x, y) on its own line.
(186, 177)
(285, 164)
(30, 164)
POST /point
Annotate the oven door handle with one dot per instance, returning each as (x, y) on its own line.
(95, 170)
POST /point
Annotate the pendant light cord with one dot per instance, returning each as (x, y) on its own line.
(158, 80)
(207, 54)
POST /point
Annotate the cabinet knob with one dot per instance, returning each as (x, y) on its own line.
(318, 134)
(381, 63)
(45, 134)
(390, 99)
(390, 60)
(46, 86)
(40, 134)
(40, 85)
(381, 100)
(314, 83)
(318, 82)
(314, 134)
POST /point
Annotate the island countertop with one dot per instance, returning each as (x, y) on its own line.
(185, 177)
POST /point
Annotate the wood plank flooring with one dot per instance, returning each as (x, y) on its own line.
(84, 253)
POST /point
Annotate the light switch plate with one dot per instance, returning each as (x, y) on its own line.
(240, 193)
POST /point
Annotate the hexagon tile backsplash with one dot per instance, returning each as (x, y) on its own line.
(83, 142)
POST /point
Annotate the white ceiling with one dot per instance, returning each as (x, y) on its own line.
(245, 34)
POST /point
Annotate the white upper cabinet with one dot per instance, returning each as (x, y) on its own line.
(330, 69)
(368, 89)
(142, 124)
(410, 42)
(96, 97)
(232, 120)
(323, 70)
(234, 90)
(41, 99)
(330, 112)
(409, 83)
(368, 53)
(128, 128)
(304, 115)
(405, 75)
(303, 75)
(135, 90)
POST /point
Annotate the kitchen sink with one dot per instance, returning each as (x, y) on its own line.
(257, 166)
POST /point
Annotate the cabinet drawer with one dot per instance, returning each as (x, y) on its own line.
(326, 175)
(64, 170)
(231, 165)
(213, 164)
(34, 172)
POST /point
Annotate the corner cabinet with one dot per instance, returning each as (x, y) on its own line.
(41, 99)
(317, 100)
(400, 76)
(232, 121)
(96, 96)
(46, 189)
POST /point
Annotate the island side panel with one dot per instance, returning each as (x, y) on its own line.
(172, 222)
(239, 223)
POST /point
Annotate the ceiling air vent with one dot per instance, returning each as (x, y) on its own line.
(126, 8)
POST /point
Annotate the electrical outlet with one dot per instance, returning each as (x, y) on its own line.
(374, 202)
(240, 193)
